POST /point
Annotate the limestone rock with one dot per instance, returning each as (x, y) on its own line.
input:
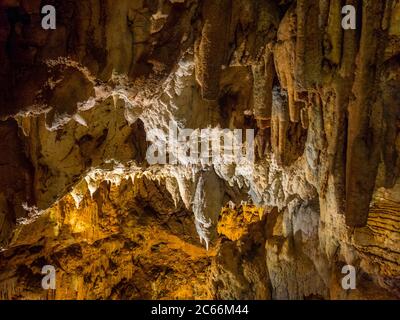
(79, 103)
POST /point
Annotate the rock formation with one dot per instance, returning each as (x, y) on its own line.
(77, 106)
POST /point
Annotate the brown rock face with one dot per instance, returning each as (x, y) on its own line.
(81, 106)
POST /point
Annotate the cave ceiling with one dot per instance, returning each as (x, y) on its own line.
(111, 124)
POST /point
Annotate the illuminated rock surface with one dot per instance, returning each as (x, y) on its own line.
(76, 191)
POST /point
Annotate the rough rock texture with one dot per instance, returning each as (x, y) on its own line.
(76, 191)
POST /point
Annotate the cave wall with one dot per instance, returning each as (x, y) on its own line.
(77, 102)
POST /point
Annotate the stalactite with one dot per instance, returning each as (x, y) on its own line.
(279, 126)
(308, 46)
(263, 77)
(304, 117)
(334, 34)
(346, 45)
(349, 49)
(207, 200)
(365, 112)
(84, 197)
(285, 57)
(211, 52)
